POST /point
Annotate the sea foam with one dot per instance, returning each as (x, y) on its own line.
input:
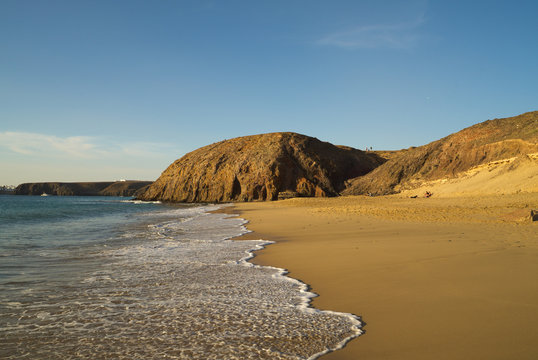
(177, 287)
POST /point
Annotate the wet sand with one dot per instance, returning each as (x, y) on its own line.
(445, 278)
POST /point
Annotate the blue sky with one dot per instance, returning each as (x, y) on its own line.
(103, 90)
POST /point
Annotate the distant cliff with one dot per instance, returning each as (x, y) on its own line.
(261, 167)
(118, 188)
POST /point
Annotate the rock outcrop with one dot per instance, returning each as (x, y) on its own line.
(445, 158)
(117, 188)
(260, 167)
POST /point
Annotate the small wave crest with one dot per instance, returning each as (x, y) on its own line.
(138, 202)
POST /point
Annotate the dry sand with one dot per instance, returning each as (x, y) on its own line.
(438, 278)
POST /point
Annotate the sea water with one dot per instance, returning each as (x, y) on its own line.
(111, 278)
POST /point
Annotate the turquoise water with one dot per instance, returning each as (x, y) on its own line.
(110, 278)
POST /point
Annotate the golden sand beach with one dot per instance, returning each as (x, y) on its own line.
(449, 277)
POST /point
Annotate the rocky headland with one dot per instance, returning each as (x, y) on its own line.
(261, 167)
(282, 165)
(110, 188)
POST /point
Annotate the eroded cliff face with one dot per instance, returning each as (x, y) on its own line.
(260, 167)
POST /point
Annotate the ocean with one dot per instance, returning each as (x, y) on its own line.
(113, 278)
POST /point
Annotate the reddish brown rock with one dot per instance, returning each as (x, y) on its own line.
(259, 167)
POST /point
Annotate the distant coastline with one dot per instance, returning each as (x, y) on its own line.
(106, 188)
(7, 190)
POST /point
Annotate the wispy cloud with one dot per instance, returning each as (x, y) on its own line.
(78, 147)
(27, 157)
(33, 144)
(396, 36)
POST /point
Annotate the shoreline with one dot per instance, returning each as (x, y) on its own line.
(307, 294)
(455, 280)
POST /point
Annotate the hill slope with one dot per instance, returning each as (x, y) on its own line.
(260, 167)
(483, 143)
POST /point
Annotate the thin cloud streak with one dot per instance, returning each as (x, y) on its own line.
(394, 36)
(31, 157)
(39, 144)
(78, 147)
